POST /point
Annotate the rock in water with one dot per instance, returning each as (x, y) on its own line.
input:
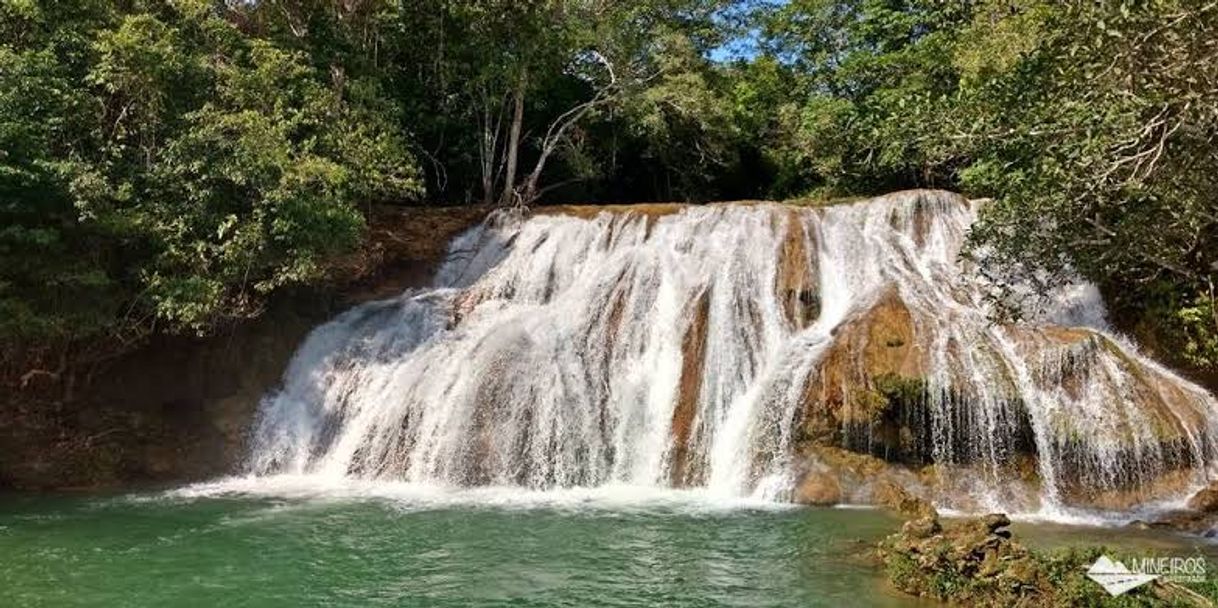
(1205, 500)
(892, 496)
(975, 562)
(818, 488)
(922, 527)
(995, 524)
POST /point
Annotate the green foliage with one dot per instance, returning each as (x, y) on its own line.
(631, 81)
(160, 165)
(170, 163)
(904, 391)
(942, 569)
(680, 121)
(1090, 125)
(1199, 321)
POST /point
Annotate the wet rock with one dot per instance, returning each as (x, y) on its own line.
(1123, 496)
(975, 562)
(685, 470)
(925, 555)
(1192, 522)
(954, 485)
(1205, 500)
(965, 562)
(796, 281)
(851, 466)
(899, 500)
(870, 393)
(922, 527)
(874, 353)
(995, 522)
(818, 488)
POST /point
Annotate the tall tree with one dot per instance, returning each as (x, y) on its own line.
(164, 167)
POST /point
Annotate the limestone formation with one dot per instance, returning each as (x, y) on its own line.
(836, 354)
(818, 488)
(1205, 500)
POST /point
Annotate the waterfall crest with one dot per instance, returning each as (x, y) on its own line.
(726, 347)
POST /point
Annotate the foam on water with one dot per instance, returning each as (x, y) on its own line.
(565, 360)
(423, 497)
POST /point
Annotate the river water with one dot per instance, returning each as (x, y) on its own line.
(205, 546)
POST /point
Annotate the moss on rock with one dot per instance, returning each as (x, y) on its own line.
(975, 562)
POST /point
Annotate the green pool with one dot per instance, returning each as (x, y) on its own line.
(352, 548)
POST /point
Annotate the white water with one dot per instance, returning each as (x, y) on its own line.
(549, 357)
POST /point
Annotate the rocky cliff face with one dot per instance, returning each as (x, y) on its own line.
(179, 408)
(819, 355)
(1113, 433)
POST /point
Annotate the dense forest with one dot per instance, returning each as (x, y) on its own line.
(168, 165)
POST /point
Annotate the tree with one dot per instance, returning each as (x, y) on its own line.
(1096, 138)
(1091, 125)
(534, 77)
(164, 168)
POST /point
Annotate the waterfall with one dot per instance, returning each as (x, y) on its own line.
(712, 346)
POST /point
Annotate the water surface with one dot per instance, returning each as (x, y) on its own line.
(204, 547)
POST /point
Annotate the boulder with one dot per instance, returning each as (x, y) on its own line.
(1205, 500)
(975, 562)
(1184, 520)
(869, 385)
(818, 488)
(895, 498)
(994, 523)
(923, 527)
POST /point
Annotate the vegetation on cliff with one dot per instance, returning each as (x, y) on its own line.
(1091, 126)
(976, 562)
(168, 164)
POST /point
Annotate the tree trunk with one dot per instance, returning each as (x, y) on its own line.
(490, 143)
(513, 145)
(530, 190)
(554, 136)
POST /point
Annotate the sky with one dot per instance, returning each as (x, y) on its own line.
(747, 45)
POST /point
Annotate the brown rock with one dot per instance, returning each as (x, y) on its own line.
(1193, 522)
(897, 499)
(990, 564)
(995, 522)
(924, 527)
(818, 488)
(868, 383)
(796, 279)
(1205, 500)
(998, 571)
(693, 348)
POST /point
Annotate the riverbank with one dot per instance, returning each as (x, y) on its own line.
(977, 562)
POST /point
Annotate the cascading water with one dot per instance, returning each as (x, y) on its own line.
(709, 347)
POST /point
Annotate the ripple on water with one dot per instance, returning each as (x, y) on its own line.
(230, 544)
